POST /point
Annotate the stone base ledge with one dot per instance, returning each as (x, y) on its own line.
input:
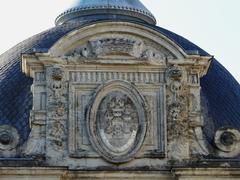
(65, 174)
(207, 173)
(47, 173)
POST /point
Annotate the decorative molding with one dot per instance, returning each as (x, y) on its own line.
(111, 7)
(99, 77)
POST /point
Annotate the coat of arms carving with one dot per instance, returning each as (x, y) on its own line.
(117, 121)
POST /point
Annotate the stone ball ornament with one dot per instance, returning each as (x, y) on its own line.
(9, 138)
(117, 122)
(227, 141)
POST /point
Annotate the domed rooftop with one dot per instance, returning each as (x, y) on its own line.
(96, 9)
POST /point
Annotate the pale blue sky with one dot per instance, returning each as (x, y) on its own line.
(214, 25)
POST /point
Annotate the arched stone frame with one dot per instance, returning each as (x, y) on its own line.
(82, 35)
(92, 121)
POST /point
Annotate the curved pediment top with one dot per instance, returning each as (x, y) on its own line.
(109, 46)
(116, 41)
(116, 48)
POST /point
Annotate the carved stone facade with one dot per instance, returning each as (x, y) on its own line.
(117, 101)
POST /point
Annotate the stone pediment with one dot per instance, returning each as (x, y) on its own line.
(118, 49)
(116, 43)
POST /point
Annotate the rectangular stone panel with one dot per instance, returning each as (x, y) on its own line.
(80, 96)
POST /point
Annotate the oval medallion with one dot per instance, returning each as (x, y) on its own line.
(117, 122)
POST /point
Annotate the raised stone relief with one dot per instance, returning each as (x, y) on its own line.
(57, 131)
(119, 48)
(117, 122)
(185, 137)
(178, 125)
(57, 90)
(57, 74)
(48, 129)
(101, 48)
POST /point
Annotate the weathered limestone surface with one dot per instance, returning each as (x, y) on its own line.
(207, 173)
(64, 174)
(116, 101)
(116, 96)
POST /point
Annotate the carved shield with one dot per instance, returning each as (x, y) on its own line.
(117, 122)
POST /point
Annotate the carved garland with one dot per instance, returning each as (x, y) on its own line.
(57, 89)
(177, 103)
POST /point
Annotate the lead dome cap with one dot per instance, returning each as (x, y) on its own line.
(83, 10)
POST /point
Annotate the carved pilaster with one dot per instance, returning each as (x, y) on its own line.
(177, 105)
(57, 102)
(36, 144)
(197, 143)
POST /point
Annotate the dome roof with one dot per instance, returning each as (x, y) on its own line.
(220, 90)
(95, 9)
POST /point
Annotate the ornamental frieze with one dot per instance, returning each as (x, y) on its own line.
(99, 77)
